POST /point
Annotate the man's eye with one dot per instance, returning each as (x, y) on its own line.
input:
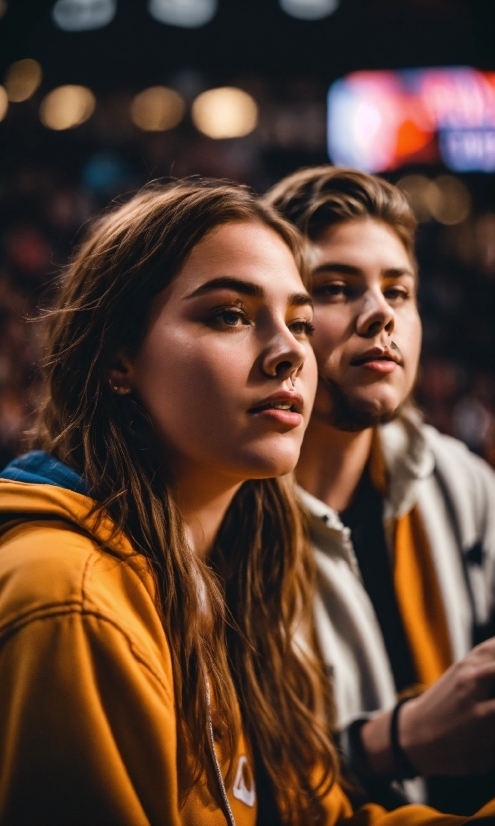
(332, 290)
(397, 295)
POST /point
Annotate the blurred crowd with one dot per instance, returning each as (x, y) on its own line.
(51, 184)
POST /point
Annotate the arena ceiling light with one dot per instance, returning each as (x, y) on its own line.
(83, 15)
(189, 14)
(157, 109)
(22, 79)
(4, 103)
(67, 107)
(309, 9)
(225, 112)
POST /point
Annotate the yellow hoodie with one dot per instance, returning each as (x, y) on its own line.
(87, 708)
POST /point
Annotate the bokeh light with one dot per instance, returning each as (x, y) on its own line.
(189, 14)
(22, 79)
(4, 103)
(157, 109)
(225, 112)
(83, 15)
(448, 200)
(309, 9)
(66, 107)
(415, 188)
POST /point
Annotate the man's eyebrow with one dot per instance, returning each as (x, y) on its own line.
(228, 283)
(397, 272)
(349, 269)
(337, 267)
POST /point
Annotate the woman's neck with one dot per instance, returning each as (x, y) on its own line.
(203, 499)
(332, 462)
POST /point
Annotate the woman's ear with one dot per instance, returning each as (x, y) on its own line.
(120, 375)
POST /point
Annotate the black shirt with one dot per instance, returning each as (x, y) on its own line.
(364, 517)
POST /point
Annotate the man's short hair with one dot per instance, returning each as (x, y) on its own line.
(320, 196)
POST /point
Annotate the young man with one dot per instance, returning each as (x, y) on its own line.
(403, 518)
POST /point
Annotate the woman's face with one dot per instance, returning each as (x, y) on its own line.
(226, 370)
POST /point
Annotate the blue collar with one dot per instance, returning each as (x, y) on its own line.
(39, 468)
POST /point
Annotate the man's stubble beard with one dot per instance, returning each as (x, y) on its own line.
(352, 415)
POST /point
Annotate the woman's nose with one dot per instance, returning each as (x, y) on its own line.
(284, 355)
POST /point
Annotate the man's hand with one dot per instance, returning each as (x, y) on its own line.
(449, 729)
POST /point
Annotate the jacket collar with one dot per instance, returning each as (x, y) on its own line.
(40, 468)
(37, 486)
(408, 460)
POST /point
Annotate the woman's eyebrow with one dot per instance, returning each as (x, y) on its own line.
(300, 300)
(246, 288)
(227, 283)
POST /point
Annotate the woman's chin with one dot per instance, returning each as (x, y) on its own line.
(279, 463)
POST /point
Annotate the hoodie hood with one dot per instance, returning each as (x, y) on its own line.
(37, 486)
(39, 468)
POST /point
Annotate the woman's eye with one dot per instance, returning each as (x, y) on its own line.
(230, 317)
(302, 328)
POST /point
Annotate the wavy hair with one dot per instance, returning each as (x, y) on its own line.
(317, 197)
(255, 643)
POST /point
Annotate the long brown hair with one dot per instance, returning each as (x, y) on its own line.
(258, 584)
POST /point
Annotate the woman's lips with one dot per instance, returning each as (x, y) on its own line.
(287, 417)
(284, 407)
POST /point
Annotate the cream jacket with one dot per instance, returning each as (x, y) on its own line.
(455, 492)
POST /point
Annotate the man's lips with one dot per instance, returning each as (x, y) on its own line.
(379, 359)
(284, 407)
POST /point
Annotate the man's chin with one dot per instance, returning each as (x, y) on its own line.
(353, 414)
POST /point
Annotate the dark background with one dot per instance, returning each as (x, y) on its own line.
(51, 183)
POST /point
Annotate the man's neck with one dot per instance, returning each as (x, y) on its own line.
(332, 462)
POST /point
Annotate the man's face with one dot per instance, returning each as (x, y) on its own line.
(367, 336)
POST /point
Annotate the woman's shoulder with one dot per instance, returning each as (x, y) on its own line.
(42, 566)
(52, 567)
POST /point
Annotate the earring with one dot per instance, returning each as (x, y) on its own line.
(117, 388)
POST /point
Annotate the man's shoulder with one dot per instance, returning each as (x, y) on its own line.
(418, 449)
(454, 455)
(467, 484)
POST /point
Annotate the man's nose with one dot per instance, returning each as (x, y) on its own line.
(376, 315)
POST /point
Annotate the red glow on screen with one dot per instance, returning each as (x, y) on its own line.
(379, 121)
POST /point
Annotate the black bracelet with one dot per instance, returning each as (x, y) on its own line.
(403, 767)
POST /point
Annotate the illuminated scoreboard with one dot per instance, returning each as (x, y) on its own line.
(380, 121)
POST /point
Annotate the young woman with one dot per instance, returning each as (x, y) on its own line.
(157, 661)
